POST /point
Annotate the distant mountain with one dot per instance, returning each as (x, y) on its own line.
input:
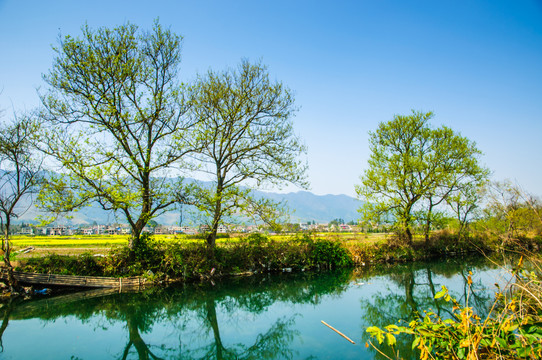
(305, 206)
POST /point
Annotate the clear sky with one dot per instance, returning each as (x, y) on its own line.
(352, 64)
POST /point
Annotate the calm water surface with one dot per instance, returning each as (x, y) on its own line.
(262, 317)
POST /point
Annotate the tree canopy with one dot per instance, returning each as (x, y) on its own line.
(414, 170)
(114, 118)
(247, 141)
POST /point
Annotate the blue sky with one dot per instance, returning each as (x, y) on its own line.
(352, 64)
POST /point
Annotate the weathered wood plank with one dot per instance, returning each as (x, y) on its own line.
(73, 280)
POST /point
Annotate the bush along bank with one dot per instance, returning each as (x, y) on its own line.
(256, 253)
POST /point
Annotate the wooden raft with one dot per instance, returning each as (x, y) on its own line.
(73, 280)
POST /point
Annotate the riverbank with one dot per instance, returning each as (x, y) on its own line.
(161, 261)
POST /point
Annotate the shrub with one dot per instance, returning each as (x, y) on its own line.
(329, 254)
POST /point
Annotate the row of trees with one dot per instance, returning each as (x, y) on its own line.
(117, 127)
(509, 212)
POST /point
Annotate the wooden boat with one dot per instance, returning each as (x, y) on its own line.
(76, 281)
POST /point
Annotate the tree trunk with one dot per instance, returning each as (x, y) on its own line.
(211, 238)
(13, 285)
(427, 228)
(135, 237)
(406, 225)
(428, 221)
(408, 234)
(7, 249)
(2, 230)
(137, 228)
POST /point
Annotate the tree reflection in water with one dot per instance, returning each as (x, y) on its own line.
(266, 317)
(143, 312)
(418, 295)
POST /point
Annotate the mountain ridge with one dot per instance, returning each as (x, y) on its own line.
(304, 205)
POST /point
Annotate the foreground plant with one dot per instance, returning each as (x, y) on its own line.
(512, 329)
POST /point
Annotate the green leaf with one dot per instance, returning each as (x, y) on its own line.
(501, 342)
(390, 339)
(441, 293)
(375, 331)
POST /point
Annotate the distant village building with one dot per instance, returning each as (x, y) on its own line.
(26, 231)
(188, 230)
(222, 229)
(175, 230)
(90, 231)
(58, 231)
(118, 229)
(240, 229)
(161, 230)
(111, 230)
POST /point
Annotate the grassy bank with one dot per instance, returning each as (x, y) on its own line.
(187, 258)
(181, 259)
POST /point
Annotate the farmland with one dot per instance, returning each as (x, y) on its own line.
(100, 244)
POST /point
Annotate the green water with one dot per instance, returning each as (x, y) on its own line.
(268, 317)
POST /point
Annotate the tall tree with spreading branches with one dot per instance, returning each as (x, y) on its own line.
(248, 141)
(115, 122)
(414, 169)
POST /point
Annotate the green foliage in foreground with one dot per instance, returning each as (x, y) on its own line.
(182, 260)
(512, 330)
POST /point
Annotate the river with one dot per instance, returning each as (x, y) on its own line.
(273, 316)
